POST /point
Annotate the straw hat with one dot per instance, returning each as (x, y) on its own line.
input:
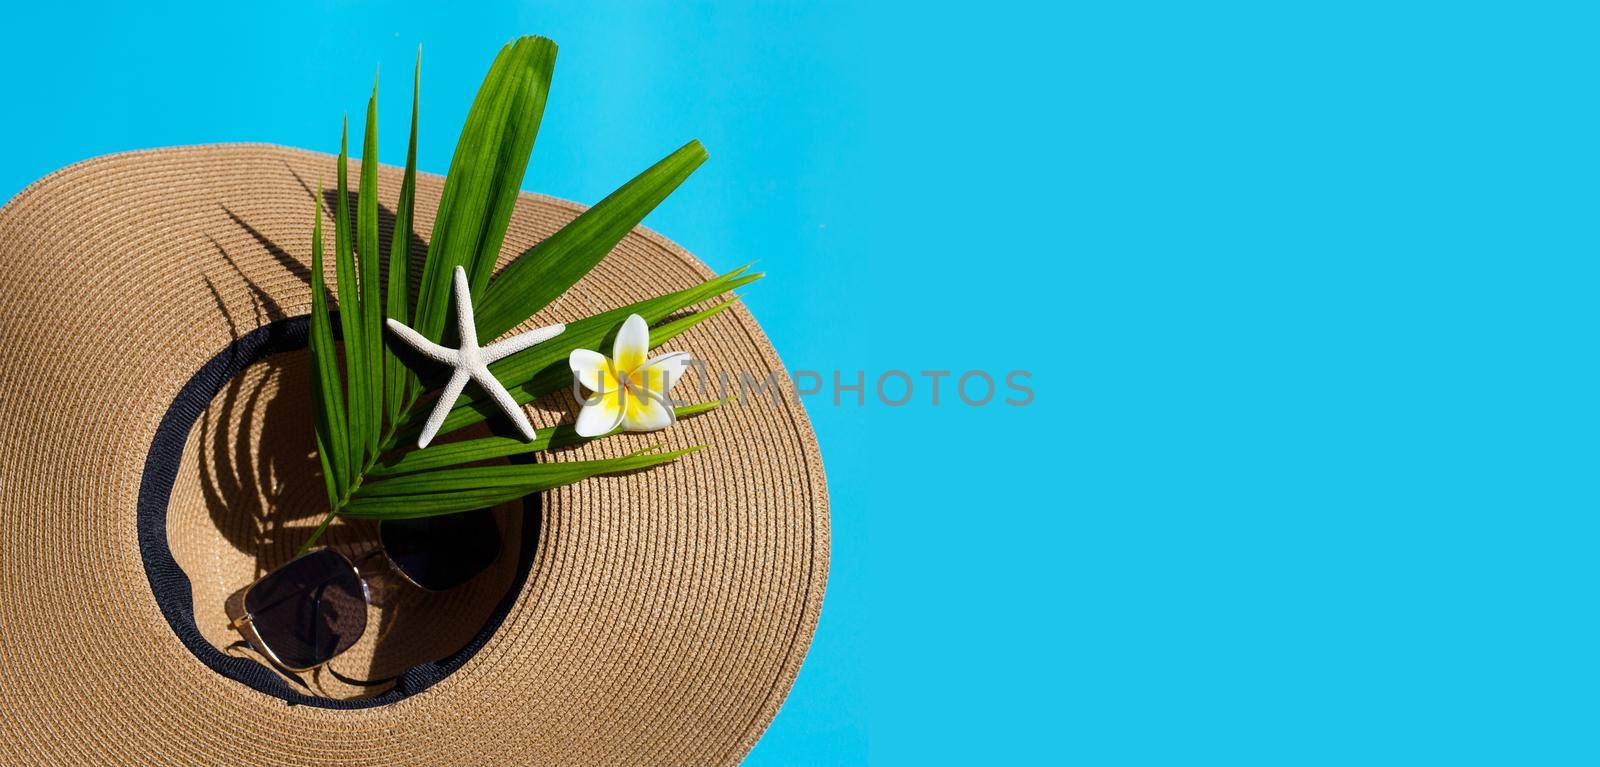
(155, 459)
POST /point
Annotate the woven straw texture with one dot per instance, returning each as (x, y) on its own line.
(666, 613)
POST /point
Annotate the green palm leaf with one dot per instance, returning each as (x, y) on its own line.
(546, 270)
(485, 176)
(327, 397)
(488, 448)
(398, 379)
(369, 347)
(465, 489)
(349, 287)
(366, 472)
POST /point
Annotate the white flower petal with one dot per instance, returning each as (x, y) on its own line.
(671, 367)
(647, 414)
(600, 416)
(633, 343)
(589, 367)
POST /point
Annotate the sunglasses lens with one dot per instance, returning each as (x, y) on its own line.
(440, 553)
(309, 610)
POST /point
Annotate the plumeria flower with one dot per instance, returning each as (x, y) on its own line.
(628, 390)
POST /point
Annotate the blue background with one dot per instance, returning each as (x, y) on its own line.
(1307, 294)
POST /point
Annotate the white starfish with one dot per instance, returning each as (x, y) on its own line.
(472, 361)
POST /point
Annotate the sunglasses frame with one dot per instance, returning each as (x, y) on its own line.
(254, 638)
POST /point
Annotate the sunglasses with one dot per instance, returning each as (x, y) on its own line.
(308, 611)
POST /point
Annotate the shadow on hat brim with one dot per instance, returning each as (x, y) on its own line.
(239, 509)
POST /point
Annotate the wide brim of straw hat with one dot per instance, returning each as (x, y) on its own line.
(663, 618)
